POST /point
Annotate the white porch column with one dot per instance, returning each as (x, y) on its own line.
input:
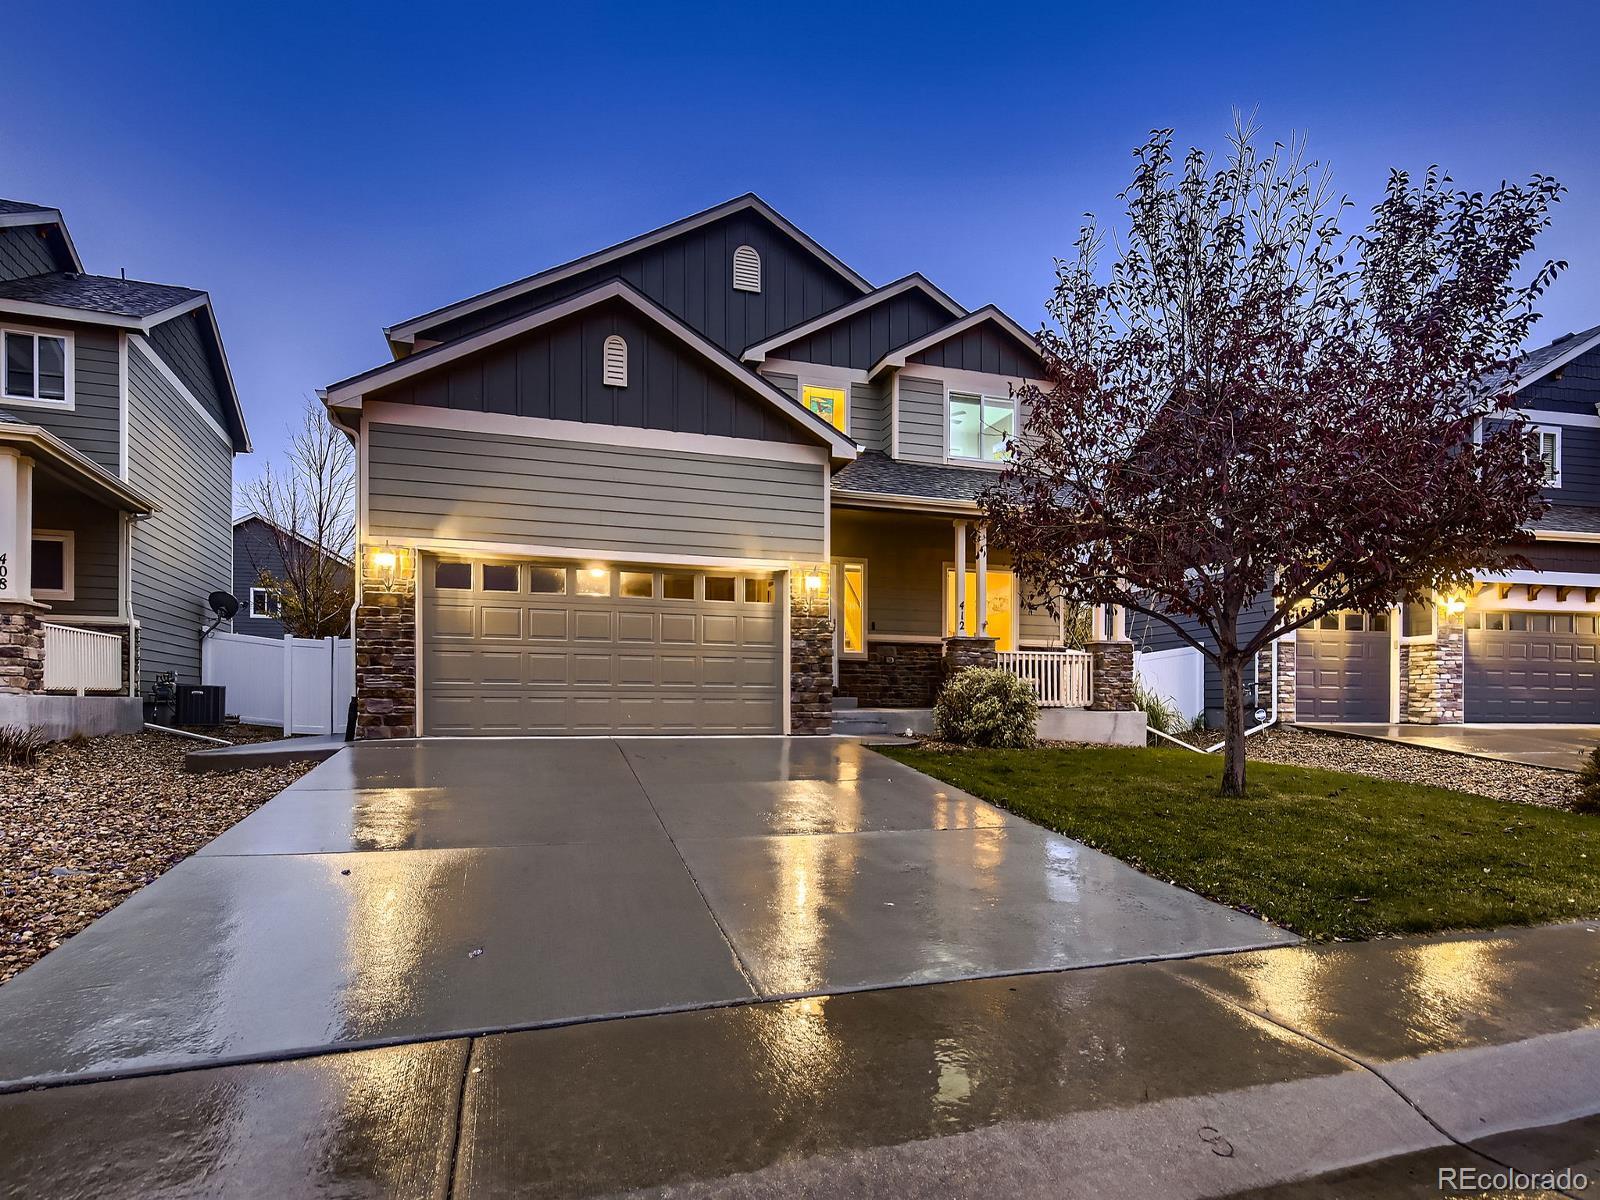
(982, 627)
(961, 578)
(1119, 624)
(16, 534)
(1097, 623)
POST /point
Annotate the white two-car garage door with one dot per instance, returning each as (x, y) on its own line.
(575, 648)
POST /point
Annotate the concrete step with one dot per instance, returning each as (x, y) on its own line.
(845, 702)
(850, 722)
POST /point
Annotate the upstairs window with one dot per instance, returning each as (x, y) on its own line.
(746, 269)
(980, 426)
(1545, 444)
(36, 368)
(614, 363)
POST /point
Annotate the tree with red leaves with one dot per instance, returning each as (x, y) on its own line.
(1248, 402)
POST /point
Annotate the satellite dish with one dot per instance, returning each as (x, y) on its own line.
(223, 604)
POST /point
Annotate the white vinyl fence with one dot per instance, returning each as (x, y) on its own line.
(302, 684)
(1060, 678)
(1177, 675)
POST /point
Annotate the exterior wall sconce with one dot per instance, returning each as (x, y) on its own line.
(388, 566)
(1455, 605)
(813, 581)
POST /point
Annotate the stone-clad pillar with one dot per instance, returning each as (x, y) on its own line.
(1285, 649)
(386, 645)
(1432, 674)
(810, 650)
(21, 649)
(963, 652)
(1112, 681)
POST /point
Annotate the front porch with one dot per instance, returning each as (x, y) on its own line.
(903, 625)
(68, 643)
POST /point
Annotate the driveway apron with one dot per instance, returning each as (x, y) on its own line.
(399, 893)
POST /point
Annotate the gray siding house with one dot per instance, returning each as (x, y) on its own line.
(118, 428)
(1522, 647)
(706, 480)
(257, 548)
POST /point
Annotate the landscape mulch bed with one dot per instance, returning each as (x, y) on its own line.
(96, 819)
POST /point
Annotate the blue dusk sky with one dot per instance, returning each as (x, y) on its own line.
(326, 170)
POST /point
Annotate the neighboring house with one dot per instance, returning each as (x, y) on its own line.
(257, 547)
(1522, 647)
(118, 427)
(630, 494)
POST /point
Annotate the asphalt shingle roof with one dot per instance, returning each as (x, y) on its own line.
(97, 293)
(1568, 518)
(875, 471)
(9, 207)
(1533, 362)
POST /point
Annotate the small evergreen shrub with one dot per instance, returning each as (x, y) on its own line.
(989, 708)
(1588, 800)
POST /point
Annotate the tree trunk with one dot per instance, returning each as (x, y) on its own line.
(1233, 725)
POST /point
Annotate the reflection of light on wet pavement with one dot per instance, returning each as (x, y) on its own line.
(389, 927)
(1063, 867)
(955, 1074)
(385, 819)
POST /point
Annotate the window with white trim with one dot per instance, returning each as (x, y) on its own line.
(52, 554)
(264, 603)
(614, 363)
(38, 368)
(1544, 442)
(746, 269)
(980, 426)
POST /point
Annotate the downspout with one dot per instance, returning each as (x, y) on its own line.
(1272, 712)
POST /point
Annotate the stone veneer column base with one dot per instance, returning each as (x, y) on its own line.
(963, 652)
(21, 650)
(1432, 675)
(894, 675)
(1112, 682)
(386, 653)
(1286, 678)
(810, 652)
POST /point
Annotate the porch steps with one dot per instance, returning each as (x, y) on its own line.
(853, 722)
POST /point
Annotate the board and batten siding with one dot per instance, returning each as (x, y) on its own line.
(982, 348)
(184, 552)
(860, 340)
(23, 252)
(659, 504)
(92, 425)
(922, 417)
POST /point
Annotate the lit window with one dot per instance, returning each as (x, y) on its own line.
(1000, 588)
(52, 555)
(614, 362)
(827, 403)
(980, 426)
(265, 603)
(36, 368)
(1545, 445)
(594, 581)
(746, 269)
(499, 577)
(853, 605)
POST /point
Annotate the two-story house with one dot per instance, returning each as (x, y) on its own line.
(1518, 647)
(118, 427)
(703, 481)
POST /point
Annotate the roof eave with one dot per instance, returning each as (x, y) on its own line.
(47, 216)
(900, 357)
(758, 352)
(79, 467)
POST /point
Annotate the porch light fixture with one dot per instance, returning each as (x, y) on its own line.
(387, 566)
(1455, 605)
(813, 581)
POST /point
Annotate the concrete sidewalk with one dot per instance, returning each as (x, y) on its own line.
(1338, 1071)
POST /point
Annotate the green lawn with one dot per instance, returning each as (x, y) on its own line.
(1326, 854)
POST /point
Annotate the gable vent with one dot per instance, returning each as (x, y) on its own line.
(746, 269)
(614, 362)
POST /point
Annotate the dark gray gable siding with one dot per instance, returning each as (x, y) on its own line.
(691, 276)
(93, 425)
(23, 252)
(860, 340)
(984, 347)
(185, 551)
(185, 344)
(1572, 557)
(1580, 463)
(1575, 392)
(255, 549)
(555, 372)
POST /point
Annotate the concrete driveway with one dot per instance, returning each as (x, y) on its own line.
(1559, 746)
(399, 893)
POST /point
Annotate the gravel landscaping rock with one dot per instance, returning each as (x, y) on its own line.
(1416, 764)
(98, 818)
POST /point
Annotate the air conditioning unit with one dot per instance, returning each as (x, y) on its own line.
(201, 704)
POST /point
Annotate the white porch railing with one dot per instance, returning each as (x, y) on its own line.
(1060, 678)
(81, 660)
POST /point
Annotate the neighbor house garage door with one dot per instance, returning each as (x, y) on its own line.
(1342, 668)
(567, 648)
(1530, 666)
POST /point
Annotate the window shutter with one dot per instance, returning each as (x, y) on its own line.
(746, 269)
(614, 365)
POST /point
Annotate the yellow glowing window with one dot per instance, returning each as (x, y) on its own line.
(852, 608)
(1001, 603)
(827, 403)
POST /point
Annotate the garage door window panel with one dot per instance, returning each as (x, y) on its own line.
(453, 576)
(547, 581)
(721, 589)
(677, 586)
(594, 581)
(500, 577)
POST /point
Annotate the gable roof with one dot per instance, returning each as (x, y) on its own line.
(1536, 364)
(758, 352)
(989, 313)
(276, 528)
(348, 393)
(138, 303)
(20, 212)
(877, 478)
(406, 331)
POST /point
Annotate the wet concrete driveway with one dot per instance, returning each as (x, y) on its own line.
(443, 888)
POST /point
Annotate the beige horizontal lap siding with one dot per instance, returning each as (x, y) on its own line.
(869, 416)
(921, 419)
(465, 486)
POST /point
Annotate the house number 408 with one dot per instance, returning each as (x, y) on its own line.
(5, 572)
